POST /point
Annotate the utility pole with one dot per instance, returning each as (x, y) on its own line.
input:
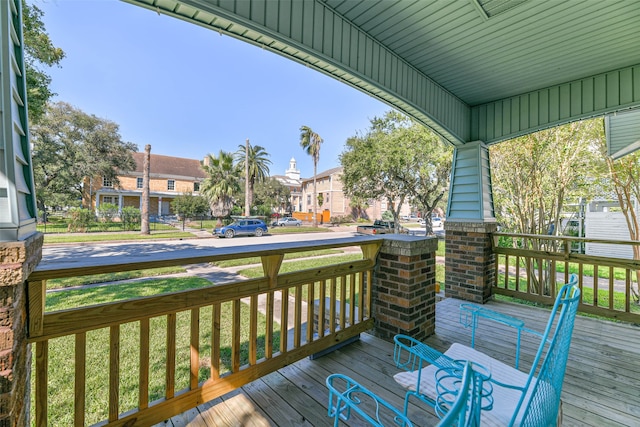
(247, 202)
(146, 168)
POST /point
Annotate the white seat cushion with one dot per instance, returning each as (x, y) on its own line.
(505, 400)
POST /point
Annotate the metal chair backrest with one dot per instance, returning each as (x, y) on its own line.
(542, 404)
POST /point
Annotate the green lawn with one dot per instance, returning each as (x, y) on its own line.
(111, 277)
(104, 237)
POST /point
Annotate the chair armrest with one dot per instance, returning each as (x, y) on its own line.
(345, 395)
(470, 313)
(410, 354)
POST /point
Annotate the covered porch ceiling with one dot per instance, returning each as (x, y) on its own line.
(471, 70)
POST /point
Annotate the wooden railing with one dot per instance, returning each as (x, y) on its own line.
(533, 267)
(342, 292)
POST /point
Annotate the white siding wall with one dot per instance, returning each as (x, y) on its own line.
(611, 226)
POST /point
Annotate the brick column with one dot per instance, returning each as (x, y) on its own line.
(404, 287)
(17, 261)
(470, 264)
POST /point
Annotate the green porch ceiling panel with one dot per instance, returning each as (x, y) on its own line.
(17, 194)
(470, 194)
(623, 133)
(313, 33)
(556, 105)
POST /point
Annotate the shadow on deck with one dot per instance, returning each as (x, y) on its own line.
(601, 385)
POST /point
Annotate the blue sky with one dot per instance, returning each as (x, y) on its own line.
(189, 91)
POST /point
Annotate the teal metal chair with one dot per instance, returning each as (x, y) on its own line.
(456, 402)
(515, 398)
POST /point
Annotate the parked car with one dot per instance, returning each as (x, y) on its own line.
(242, 227)
(436, 221)
(287, 222)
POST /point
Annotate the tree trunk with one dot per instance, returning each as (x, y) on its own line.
(144, 214)
(315, 195)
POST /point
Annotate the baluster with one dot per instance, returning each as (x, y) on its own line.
(114, 372)
(170, 379)
(322, 308)
(235, 344)
(80, 378)
(253, 330)
(42, 382)
(195, 348)
(352, 299)
(343, 301)
(332, 306)
(297, 317)
(595, 285)
(360, 290)
(284, 320)
(143, 398)
(215, 341)
(311, 292)
(268, 342)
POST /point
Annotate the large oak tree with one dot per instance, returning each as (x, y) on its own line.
(69, 146)
(399, 160)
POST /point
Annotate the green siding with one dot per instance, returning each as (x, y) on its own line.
(556, 105)
(17, 194)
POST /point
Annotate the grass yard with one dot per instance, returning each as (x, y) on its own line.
(587, 296)
(257, 260)
(69, 282)
(111, 236)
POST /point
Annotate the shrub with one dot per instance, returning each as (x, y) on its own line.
(80, 219)
(106, 213)
(130, 217)
(340, 219)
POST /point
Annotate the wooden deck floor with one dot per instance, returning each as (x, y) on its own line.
(601, 387)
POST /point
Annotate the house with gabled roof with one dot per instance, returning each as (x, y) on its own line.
(169, 177)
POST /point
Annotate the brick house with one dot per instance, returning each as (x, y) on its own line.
(335, 202)
(169, 177)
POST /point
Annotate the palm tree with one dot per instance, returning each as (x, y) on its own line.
(258, 169)
(310, 142)
(221, 184)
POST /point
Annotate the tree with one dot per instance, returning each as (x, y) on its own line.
(534, 175)
(39, 51)
(311, 142)
(398, 160)
(258, 166)
(69, 146)
(358, 206)
(623, 175)
(221, 184)
(272, 193)
(187, 205)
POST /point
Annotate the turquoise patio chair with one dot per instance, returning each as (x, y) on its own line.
(514, 398)
(455, 403)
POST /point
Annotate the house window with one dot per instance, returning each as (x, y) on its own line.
(109, 199)
(308, 199)
(106, 182)
(196, 186)
(171, 184)
(139, 183)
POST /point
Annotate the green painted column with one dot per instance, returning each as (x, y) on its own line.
(469, 259)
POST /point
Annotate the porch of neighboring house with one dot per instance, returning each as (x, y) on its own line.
(600, 388)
